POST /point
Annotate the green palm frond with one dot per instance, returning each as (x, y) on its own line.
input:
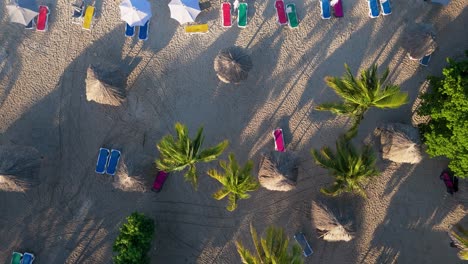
(350, 167)
(178, 154)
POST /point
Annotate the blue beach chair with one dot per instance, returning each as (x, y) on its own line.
(129, 30)
(325, 9)
(373, 8)
(113, 162)
(102, 160)
(301, 239)
(386, 8)
(143, 32)
(425, 60)
(28, 258)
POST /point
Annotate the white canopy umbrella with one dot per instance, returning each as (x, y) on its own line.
(184, 11)
(20, 15)
(135, 12)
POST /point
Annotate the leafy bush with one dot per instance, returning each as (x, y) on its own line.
(134, 240)
(446, 134)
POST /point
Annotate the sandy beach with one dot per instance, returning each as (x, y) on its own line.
(73, 214)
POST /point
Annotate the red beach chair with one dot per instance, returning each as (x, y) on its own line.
(226, 16)
(42, 18)
(159, 181)
(337, 8)
(279, 140)
(280, 12)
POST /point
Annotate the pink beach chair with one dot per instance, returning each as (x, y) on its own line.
(226, 14)
(42, 18)
(337, 8)
(159, 181)
(280, 12)
(279, 140)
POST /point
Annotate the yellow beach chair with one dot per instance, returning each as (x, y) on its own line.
(88, 17)
(200, 28)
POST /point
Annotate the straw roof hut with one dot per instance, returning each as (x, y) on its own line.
(419, 41)
(328, 226)
(19, 167)
(105, 85)
(232, 65)
(400, 143)
(278, 171)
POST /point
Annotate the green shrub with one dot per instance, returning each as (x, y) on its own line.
(446, 134)
(134, 240)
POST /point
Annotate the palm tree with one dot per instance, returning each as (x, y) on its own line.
(459, 236)
(184, 152)
(273, 249)
(236, 181)
(349, 167)
(360, 94)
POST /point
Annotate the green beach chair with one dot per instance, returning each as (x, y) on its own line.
(242, 15)
(292, 15)
(16, 258)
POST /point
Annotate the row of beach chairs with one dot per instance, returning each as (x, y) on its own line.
(83, 14)
(107, 161)
(142, 31)
(374, 7)
(41, 22)
(18, 258)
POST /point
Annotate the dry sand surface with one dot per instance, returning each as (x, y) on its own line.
(73, 215)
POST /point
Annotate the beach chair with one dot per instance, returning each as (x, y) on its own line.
(281, 12)
(301, 239)
(129, 31)
(102, 160)
(200, 28)
(143, 31)
(424, 61)
(242, 15)
(450, 181)
(28, 258)
(16, 258)
(337, 8)
(88, 17)
(226, 14)
(42, 18)
(325, 9)
(373, 8)
(77, 15)
(30, 25)
(113, 162)
(293, 22)
(279, 140)
(159, 181)
(386, 8)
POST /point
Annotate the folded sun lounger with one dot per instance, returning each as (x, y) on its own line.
(279, 140)
(424, 61)
(281, 12)
(78, 10)
(88, 17)
(373, 8)
(301, 239)
(293, 22)
(42, 18)
(226, 14)
(30, 25)
(242, 15)
(129, 31)
(113, 162)
(102, 160)
(325, 9)
(386, 8)
(200, 28)
(159, 181)
(143, 31)
(16, 258)
(337, 8)
(28, 258)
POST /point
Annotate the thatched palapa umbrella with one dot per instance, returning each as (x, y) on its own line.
(327, 224)
(278, 171)
(105, 85)
(419, 41)
(400, 143)
(19, 167)
(232, 65)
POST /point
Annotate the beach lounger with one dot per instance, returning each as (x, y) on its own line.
(88, 17)
(325, 9)
(30, 25)
(77, 15)
(301, 239)
(226, 14)
(28, 258)
(200, 28)
(102, 160)
(129, 31)
(143, 31)
(242, 15)
(113, 162)
(373, 8)
(337, 8)
(42, 18)
(279, 140)
(281, 12)
(386, 8)
(293, 22)
(425, 60)
(159, 181)
(16, 258)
